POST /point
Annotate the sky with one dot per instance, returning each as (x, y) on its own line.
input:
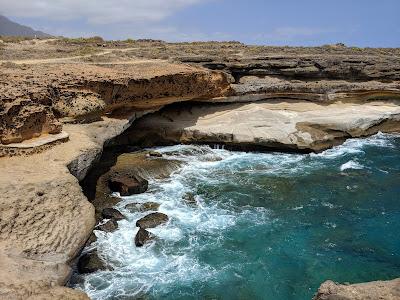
(362, 23)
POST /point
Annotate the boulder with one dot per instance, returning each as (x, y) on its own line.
(128, 185)
(154, 154)
(109, 226)
(90, 262)
(189, 199)
(112, 213)
(92, 238)
(152, 220)
(142, 237)
(140, 207)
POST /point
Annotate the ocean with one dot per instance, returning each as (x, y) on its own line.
(266, 225)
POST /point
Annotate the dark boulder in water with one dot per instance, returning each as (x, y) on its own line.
(152, 220)
(92, 238)
(140, 207)
(154, 154)
(91, 262)
(189, 199)
(109, 226)
(142, 237)
(112, 213)
(128, 185)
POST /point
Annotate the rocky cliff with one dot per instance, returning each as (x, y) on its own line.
(60, 112)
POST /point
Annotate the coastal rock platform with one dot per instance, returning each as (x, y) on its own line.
(267, 125)
(291, 99)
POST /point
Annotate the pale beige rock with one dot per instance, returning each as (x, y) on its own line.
(32, 97)
(44, 217)
(279, 124)
(376, 290)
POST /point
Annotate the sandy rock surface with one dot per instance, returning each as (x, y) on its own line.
(376, 290)
(280, 124)
(45, 219)
(33, 98)
(308, 99)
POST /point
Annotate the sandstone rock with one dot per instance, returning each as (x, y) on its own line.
(84, 93)
(142, 237)
(128, 185)
(48, 229)
(59, 293)
(141, 207)
(137, 164)
(25, 119)
(83, 107)
(152, 220)
(112, 213)
(289, 125)
(109, 226)
(376, 290)
(90, 262)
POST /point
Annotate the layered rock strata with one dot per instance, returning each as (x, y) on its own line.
(45, 219)
(292, 125)
(316, 98)
(34, 98)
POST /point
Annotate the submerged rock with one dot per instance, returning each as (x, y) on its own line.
(142, 237)
(91, 262)
(109, 226)
(112, 213)
(189, 198)
(152, 220)
(128, 185)
(140, 207)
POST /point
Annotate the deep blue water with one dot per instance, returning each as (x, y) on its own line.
(268, 225)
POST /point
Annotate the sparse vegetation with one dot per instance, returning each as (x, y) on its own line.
(82, 40)
(15, 39)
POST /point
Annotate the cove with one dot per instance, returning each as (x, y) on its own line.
(266, 225)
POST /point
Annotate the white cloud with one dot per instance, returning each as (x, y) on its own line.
(95, 11)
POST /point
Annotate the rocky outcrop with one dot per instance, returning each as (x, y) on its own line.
(91, 262)
(331, 72)
(189, 199)
(129, 165)
(142, 237)
(45, 219)
(108, 226)
(127, 186)
(152, 220)
(287, 125)
(376, 290)
(34, 97)
(141, 207)
(112, 213)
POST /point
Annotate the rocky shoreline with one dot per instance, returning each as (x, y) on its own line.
(319, 100)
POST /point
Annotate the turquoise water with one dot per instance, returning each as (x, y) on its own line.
(268, 225)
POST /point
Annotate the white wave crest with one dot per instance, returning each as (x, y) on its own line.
(351, 165)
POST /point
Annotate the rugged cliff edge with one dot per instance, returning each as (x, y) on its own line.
(388, 290)
(60, 112)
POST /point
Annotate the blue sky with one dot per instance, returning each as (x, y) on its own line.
(284, 22)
